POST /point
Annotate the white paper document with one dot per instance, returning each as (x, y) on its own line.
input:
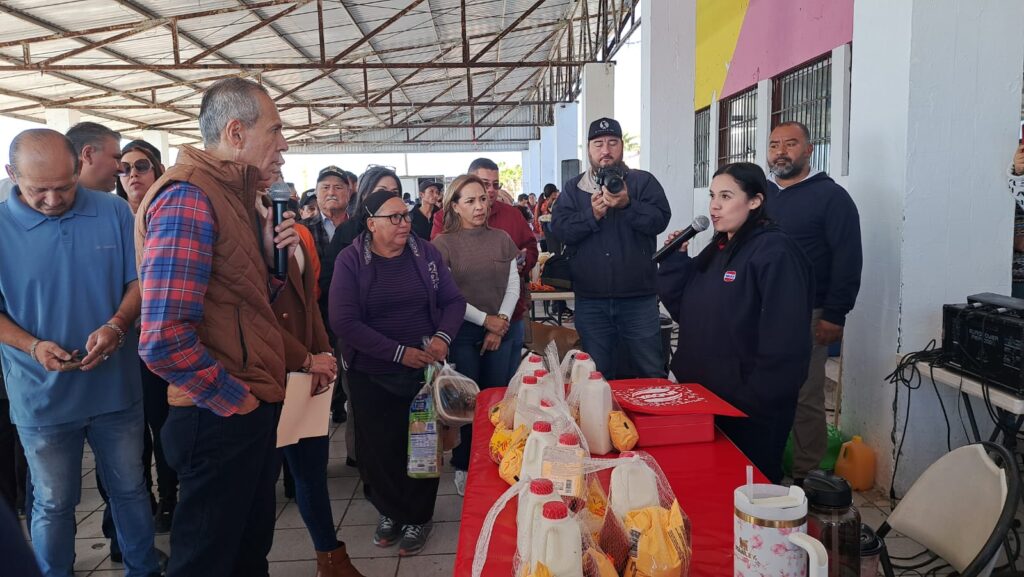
(303, 416)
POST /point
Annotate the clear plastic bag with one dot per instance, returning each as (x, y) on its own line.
(657, 527)
(454, 395)
(608, 546)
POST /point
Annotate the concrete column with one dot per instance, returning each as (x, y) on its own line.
(158, 138)
(566, 146)
(61, 119)
(598, 93)
(667, 53)
(928, 160)
(839, 152)
(763, 123)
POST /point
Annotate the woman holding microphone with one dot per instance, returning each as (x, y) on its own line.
(743, 306)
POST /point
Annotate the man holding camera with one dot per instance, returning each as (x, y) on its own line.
(609, 218)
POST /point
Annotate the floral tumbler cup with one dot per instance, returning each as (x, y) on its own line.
(770, 534)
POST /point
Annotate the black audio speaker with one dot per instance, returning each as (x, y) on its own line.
(985, 344)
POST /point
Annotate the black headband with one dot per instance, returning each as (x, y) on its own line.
(373, 203)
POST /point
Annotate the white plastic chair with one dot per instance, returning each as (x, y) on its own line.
(960, 509)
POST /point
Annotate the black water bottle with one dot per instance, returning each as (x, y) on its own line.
(833, 520)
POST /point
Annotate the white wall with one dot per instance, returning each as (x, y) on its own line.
(935, 103)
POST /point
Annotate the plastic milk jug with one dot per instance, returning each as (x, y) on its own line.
(634, 485)
(563, 465)
(582, 366)
(556, 542)
(595, 404)
(551, 384)
(532, 363)
(533, 455)
(529, 396)
(529, 512)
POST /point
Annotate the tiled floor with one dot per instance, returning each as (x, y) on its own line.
(292, 554)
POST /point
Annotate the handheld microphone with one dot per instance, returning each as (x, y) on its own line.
(280, 194)
(699, 224)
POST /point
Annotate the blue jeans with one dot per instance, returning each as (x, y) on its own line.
(54, 455)
(307, 461)
(492, 369)
(629, 326)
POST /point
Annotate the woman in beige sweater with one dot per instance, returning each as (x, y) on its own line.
(483, 263)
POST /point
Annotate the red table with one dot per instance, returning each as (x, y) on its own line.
(703, 476)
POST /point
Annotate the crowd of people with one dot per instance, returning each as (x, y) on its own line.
(151, 325)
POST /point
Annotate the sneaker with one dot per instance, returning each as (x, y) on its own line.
(460, 482)
(414, 537)
(387, 533)
(164, 517)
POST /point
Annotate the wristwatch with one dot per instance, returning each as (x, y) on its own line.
(503, 316)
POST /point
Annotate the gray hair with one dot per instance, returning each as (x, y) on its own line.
(91, 134)
(226, 100)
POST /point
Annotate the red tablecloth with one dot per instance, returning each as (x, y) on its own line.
(703, 476)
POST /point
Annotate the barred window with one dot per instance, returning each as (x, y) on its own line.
(737, 119)
(701, 141)
(805, 95)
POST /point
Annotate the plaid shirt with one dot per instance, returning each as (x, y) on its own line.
(175, 273)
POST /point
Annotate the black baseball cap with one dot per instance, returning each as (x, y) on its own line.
(604, 127)
(308, 197)
(428, 183)
(331, 171)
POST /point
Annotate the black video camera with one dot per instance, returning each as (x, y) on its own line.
(612, 178)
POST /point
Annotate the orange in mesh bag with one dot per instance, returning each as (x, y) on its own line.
(659, 546)
(540, 571)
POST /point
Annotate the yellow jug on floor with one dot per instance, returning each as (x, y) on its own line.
(856, 464)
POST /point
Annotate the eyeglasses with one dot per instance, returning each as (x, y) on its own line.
(141, 166)
(369, 166)
(493, 184)
(397, 218)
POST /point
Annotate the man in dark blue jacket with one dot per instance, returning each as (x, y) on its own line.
(610, 236)
(822, 218)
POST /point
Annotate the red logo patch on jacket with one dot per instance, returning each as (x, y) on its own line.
(730, 275)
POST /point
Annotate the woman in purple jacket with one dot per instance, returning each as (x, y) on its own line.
(390, 291)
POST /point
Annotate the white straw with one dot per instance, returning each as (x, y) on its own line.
(750, 482)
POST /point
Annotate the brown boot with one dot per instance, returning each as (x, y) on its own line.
(335, 564)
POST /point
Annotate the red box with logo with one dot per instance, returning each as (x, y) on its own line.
(667, 413)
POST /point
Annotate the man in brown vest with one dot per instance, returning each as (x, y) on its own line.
(209, 330)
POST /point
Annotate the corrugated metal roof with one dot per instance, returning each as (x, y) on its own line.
(347, 75)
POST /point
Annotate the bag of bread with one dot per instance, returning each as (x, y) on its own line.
(502, 438)
(659, 542)
(622, 430)
(512, 464)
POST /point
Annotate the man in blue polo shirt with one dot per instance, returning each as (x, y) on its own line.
(68, 299)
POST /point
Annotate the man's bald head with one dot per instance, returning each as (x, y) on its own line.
(45, 168)
(41, 145)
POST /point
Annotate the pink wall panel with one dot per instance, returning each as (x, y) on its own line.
(780, 34)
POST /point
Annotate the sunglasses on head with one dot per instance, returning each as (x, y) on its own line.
(141, 166)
